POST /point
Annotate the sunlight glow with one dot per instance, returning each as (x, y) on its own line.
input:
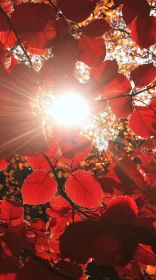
(69, 109)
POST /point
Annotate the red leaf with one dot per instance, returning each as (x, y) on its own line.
(37, 225)
(121, 107)
(106, 72)
(144, 254)
(117, 206)
(7, 38)
(39, 162)
(143, 31)
(131, 9)
(77, 11)
(128, 173)
(38, 188)
(11, 212)
(83, 189)
(40, 29)
(120, 85)
(61, 214)
(143, 75)
(77, 149)
(8, 276)
(143, 120)
(96, 28)
(59, 205)
(3, 164)
(91, 51)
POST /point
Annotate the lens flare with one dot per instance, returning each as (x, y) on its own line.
(69, 109)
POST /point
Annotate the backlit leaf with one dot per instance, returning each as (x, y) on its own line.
(83, 189)
(38, 188)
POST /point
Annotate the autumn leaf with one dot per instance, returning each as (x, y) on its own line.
(96, 28)
(83, 189)
(143, 75)
(77, 11)
(11, 212)
(143, 31)
(143, 120)
(38, 188)
(91, 51)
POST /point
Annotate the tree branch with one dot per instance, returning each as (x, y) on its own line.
(121, 30)
(124, 95)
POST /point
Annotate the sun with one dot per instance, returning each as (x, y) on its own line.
(69, 109)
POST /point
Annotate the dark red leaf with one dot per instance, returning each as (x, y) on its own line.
(121, 107)
(9, 265)
(70, 269)
(143, 31)
(111, 240)
(38, 188)
(40, 29)
(106, 72)
(11, 212)
(65, 56)
(91, 51)
(120, 85)
(96, 28)
(34, 268)
(143, 120)
(77, 11)
(108, 184)
(116, 207)
(143, 75)
(131, 9)
(149, 144)
(83, 189)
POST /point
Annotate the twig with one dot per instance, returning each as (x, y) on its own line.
(60, 189)
(121, 30)
(124, 95)
(52, 269)
(58, 12)
(16, 35)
